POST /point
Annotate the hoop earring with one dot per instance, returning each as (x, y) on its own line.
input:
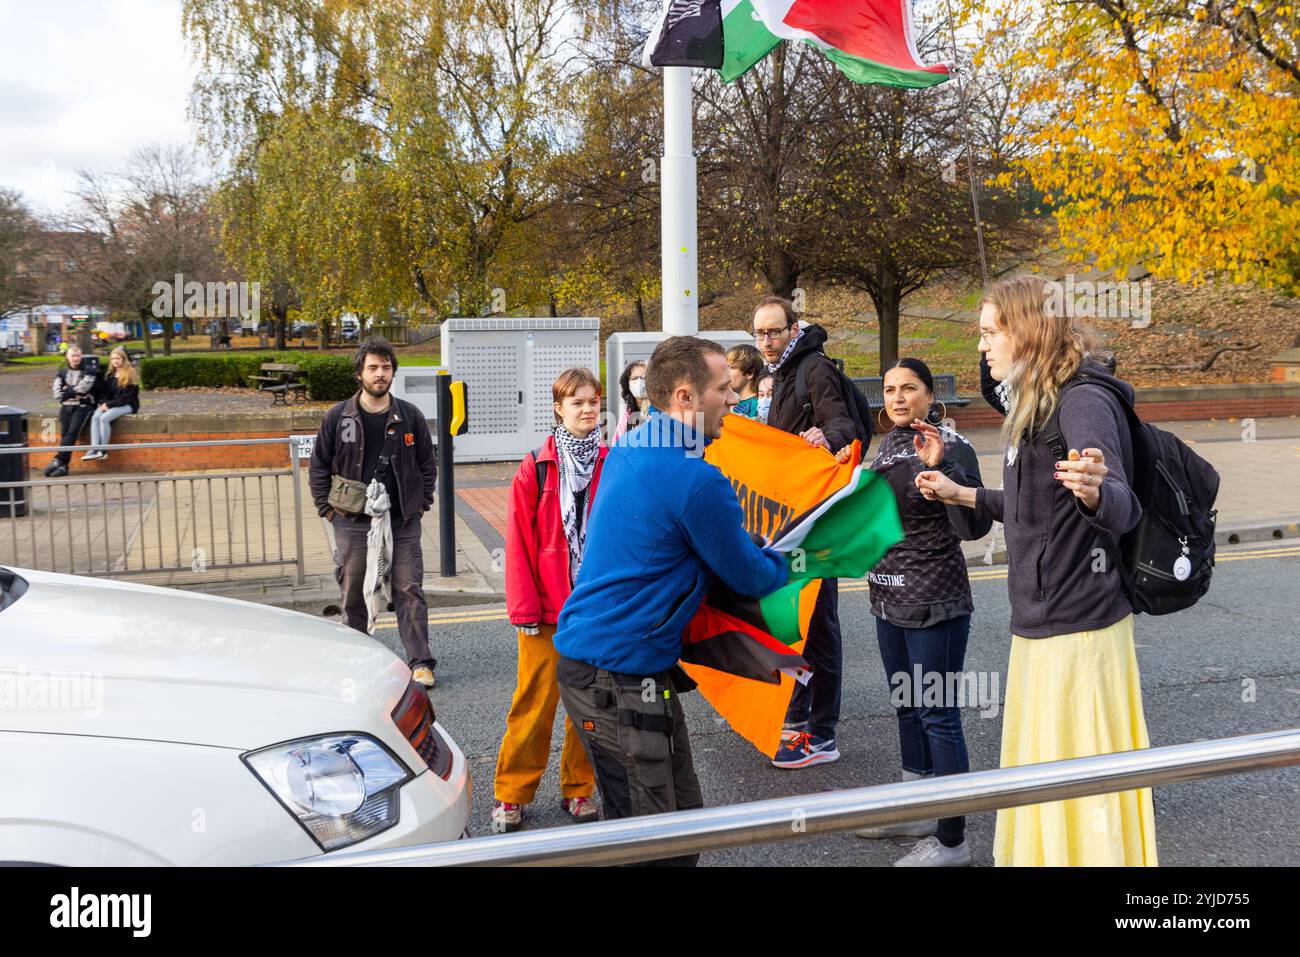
(930, 415)
(883, 428)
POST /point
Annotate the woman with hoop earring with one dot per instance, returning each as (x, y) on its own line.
(921, 598)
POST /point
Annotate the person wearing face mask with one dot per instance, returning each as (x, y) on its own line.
(921, 598)
(636, 403)
(766, 384)
(546, 534)
(746, 364)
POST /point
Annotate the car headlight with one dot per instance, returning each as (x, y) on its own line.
(342, 788)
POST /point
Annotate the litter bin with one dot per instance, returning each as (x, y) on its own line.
(13, 467)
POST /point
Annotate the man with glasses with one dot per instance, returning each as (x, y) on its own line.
(820, 418)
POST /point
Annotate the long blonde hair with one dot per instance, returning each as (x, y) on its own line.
(126, 373)
(1049, 345)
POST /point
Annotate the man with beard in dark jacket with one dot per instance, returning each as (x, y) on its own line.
(822, 419)
(375, 436)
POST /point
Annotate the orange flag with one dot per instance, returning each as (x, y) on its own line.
(776, 476)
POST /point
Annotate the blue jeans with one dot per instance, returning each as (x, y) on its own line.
(929, 734)
(817, 704)
(101, 425)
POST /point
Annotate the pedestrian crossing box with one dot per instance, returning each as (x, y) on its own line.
(624, 347)
(508, 366)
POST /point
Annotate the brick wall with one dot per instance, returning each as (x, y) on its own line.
(1154, 405)
(1169, 405)
(122, 458)
(132, 429)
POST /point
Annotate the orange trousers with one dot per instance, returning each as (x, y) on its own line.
(527, 744)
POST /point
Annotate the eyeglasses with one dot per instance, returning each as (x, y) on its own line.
(772, 336)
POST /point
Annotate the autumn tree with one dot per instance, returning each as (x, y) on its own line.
(894, 211)
(759, 171)
(438, 115)
(607, 185)
(19, 288)
(148, 223)
(1160, 133)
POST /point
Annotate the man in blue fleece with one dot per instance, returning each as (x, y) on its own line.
(664, 524)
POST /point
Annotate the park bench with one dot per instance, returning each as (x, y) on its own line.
(281, 380)
(945, 391)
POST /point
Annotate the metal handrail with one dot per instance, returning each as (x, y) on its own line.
(116, 554)
(119, 477)
(122, 446)
(793, 818)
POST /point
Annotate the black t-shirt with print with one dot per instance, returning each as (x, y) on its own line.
(372, 424)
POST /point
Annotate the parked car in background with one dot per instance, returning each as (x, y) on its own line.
(349, 329)
(151, 726)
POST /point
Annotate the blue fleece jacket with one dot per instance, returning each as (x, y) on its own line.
(664, 523)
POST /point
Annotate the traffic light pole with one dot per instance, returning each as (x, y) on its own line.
(446, 480)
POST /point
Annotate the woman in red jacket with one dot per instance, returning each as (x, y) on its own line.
(546, 530)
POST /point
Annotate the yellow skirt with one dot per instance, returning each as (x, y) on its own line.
(1072, 696)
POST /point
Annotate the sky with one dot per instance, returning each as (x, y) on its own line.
(83, 83)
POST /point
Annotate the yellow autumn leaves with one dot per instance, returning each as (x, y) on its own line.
(1162, 134)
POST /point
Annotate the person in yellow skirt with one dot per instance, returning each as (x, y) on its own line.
(546, 534)
(1072, 687)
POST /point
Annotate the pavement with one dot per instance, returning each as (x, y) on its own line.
(236, 536)
(1258, 497)
(1229, 666)
(1258, 501)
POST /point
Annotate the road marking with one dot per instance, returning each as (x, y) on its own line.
(991, 574)
(1261, 553)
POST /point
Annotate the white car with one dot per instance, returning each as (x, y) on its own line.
(148, 726)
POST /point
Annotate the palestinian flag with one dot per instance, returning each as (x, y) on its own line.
(830, 520)
(870, 41)
(688, 33)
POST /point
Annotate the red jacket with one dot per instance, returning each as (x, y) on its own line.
(537, 554)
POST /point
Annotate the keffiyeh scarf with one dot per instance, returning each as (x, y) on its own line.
(577, 458)
(378, 585)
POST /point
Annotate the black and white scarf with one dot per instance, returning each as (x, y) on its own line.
(773, 366)
(577, 458)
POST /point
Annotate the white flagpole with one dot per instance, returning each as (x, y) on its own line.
(677, 208)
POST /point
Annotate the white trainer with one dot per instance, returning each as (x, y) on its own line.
(931, 853)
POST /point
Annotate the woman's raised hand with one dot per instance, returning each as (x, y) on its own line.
(929, 444)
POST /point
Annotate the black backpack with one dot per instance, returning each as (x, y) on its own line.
(1166, 560)
(854, 400)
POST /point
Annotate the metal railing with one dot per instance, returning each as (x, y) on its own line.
(125, 525)
(795, 818)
